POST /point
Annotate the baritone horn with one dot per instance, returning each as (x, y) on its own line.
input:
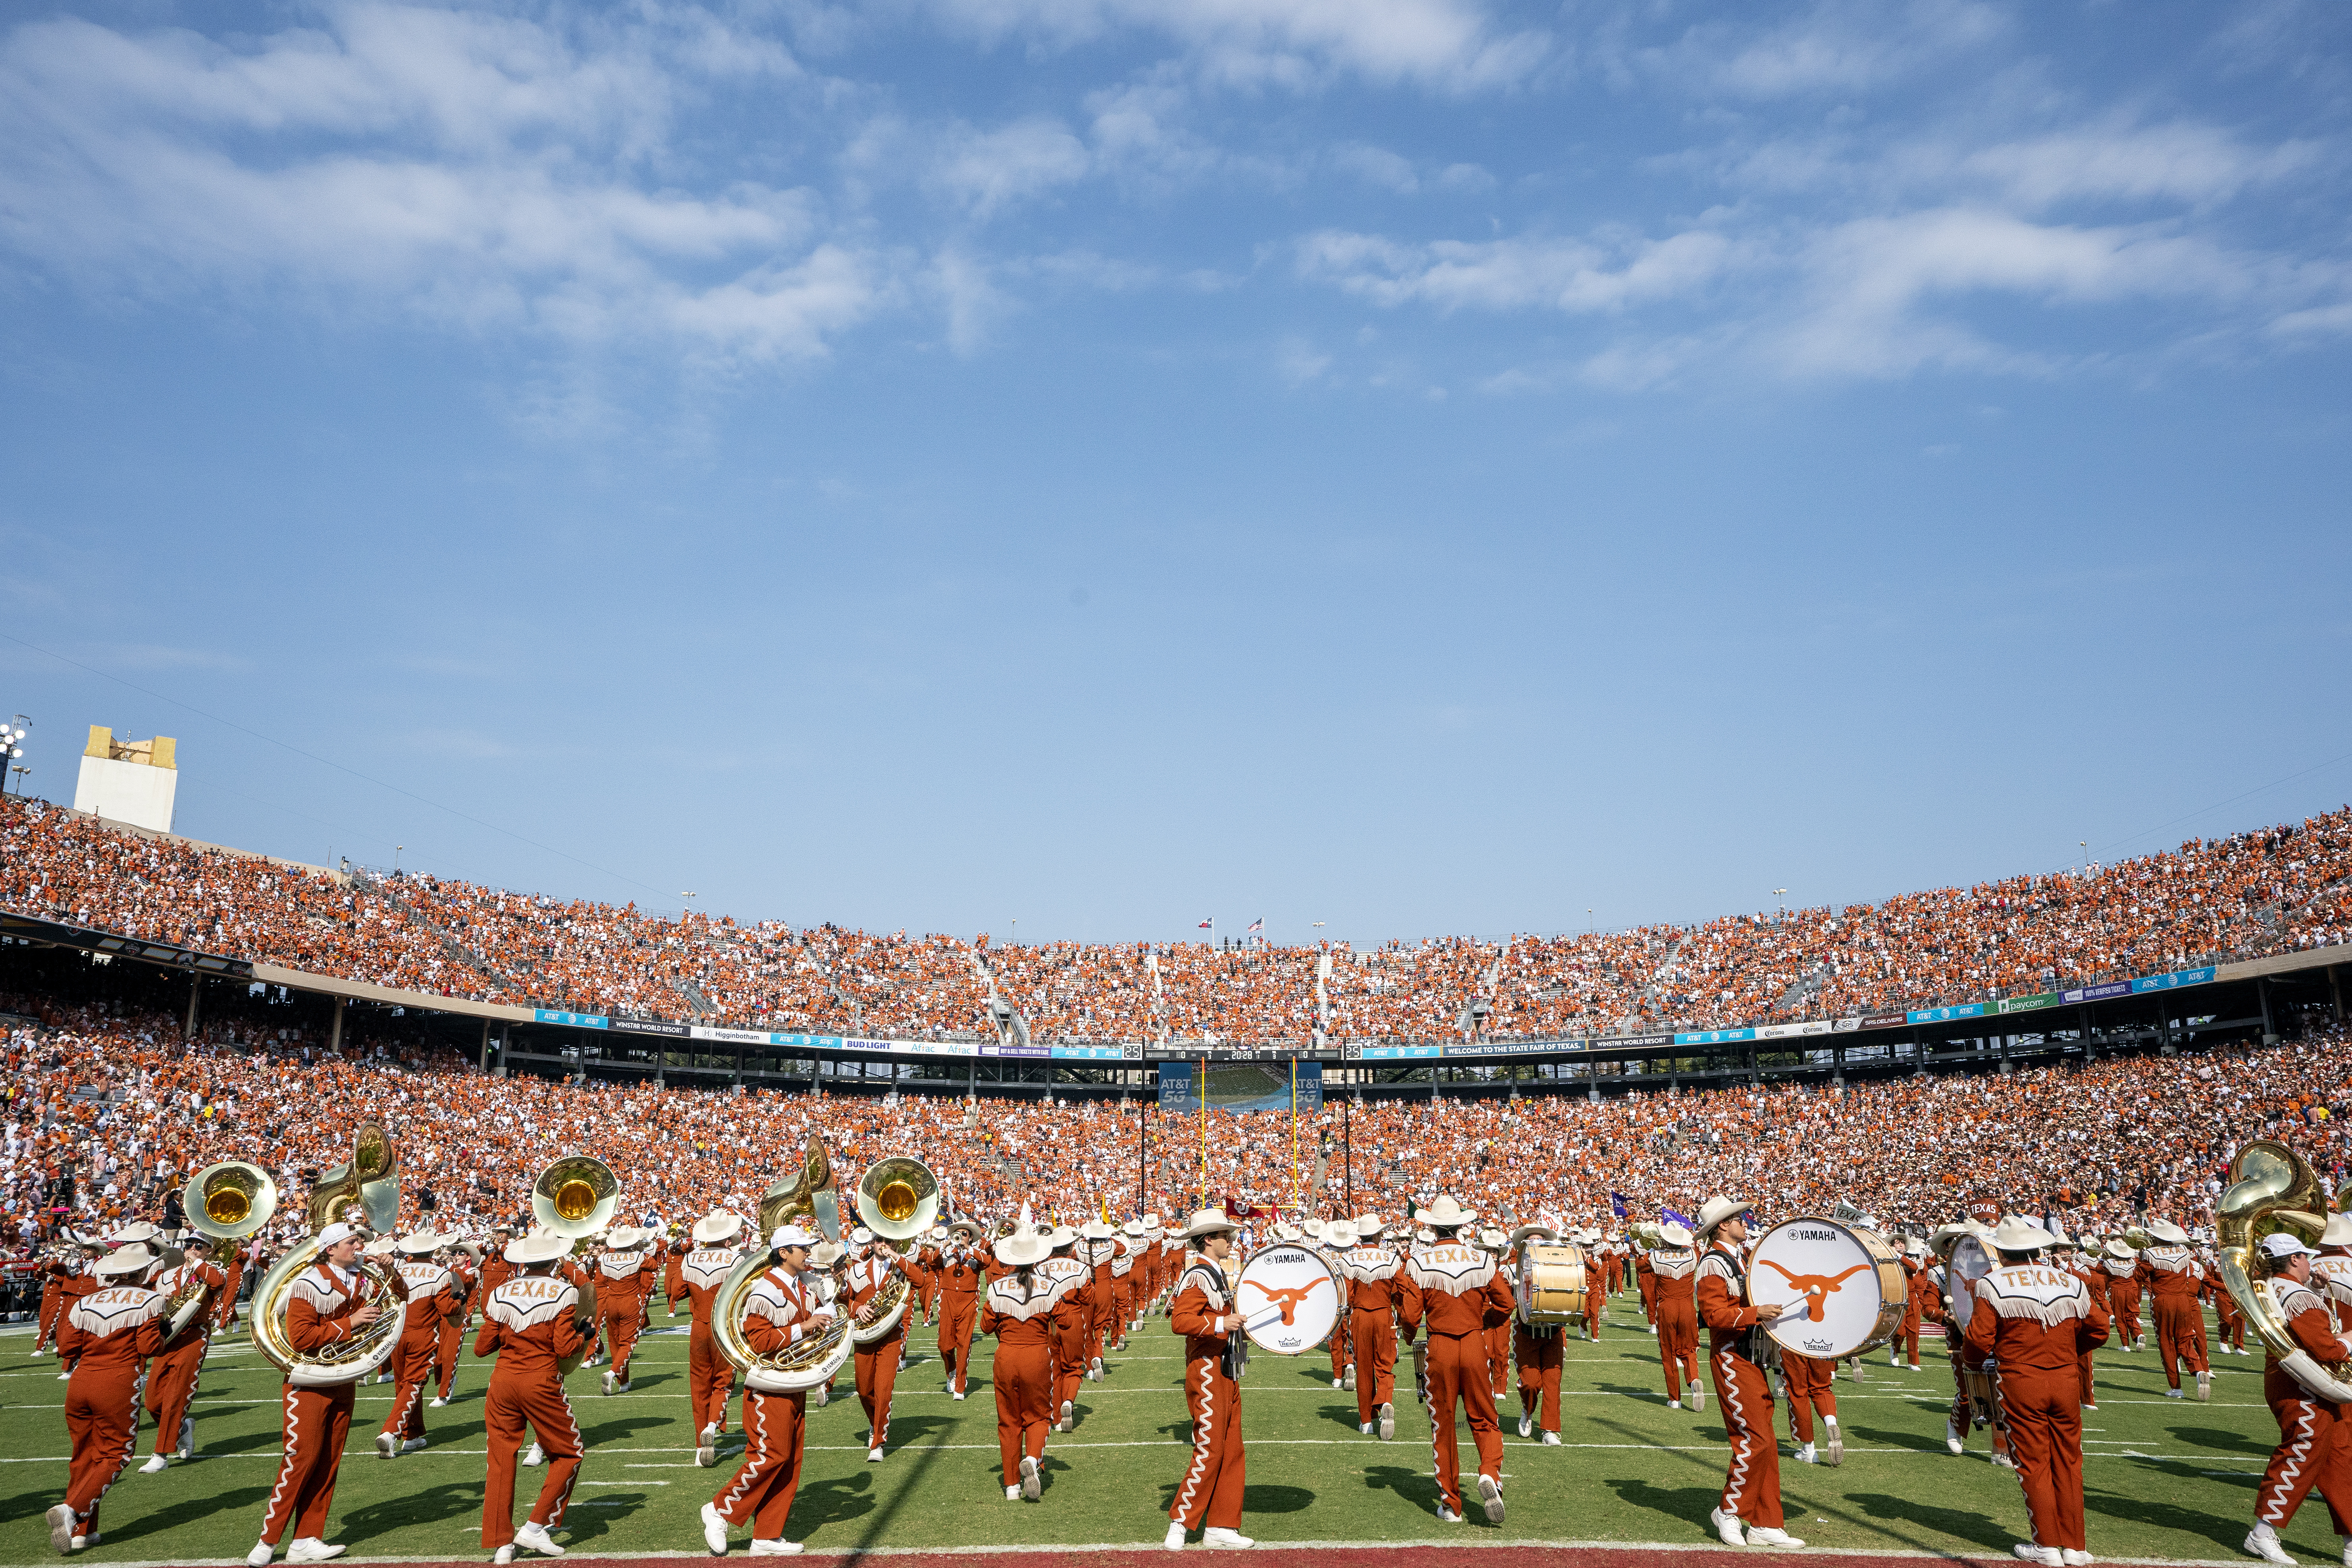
(576, 1195)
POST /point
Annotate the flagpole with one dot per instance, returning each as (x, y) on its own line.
(1201, 1084)
(1294, 1132)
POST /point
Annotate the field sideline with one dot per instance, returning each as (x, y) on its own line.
(2164, 1479)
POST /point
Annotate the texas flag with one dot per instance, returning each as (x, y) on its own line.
(1209, 924)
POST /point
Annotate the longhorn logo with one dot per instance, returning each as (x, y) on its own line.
(1814, 1287)
(1289, 1301)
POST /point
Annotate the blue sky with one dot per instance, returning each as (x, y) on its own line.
(1421, 466)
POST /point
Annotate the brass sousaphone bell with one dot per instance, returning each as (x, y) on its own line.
(576, 1195)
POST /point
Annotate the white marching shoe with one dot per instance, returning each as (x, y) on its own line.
(2074, 1559)
(1447, 1516)
(714, 1530)
(1033, 1485)
(1094, 1370)
(260, 1555)
(2263, 1542)
(503, 1555)
(1726, 1527)
(1551, 1440)
(534, 1455)
(1387, 1422)
(608, 1380)
(534, 1538)
(1673, 1404)
(1698, 1397)
(412, 1446)
(2204, 1386)
(1805, 1454)
(1526, 1427)
(1068, 1423)
(2046, 1555)
(2174, 1393)
(1174, 1541)
(874, 1456)
(310, 1549)
(1350, 1383)
(779, 1547)
(62, 1520)
(155, 1466)
(439, 1403)
(1771, 1535)
(1013, 1494)
(387, 1445)
(1217, 1535)
(1490, 1491)
(1836, 1454)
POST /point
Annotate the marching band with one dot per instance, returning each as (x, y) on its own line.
(2022, 1307)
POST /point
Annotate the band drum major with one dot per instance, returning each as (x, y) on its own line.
(1844, 1285)
(1289, 1299)
(1551, 1288)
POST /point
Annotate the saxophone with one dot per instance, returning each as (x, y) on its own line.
(2273, 1188)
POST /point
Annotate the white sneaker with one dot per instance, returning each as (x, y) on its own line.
(2174, 1393)
(1726, 1527)
(61, 1527)
(1387, 1422)
(1447, 1516)
(1673, 1404)
(959, 1399)
(1916, 1367)
(261, 1554)
(873, 1456)
(1804, 1454)
(608, 1383)
(1033, 1485)
(412, 1446)
(187, 1444)
(2005, 1461)
(1491, 1491)
(2204, 1386)
(1338, 1380)
(1771, 1535)
(1069, 1418)
(534, 1455)
(386, 1446)
(2045, 1555)
(714, 1530)
(534, 1538)
(2069, 1548)
(65, 1377)
(436, 1404)
(2074, 1559)
(1175, 1538)
(155, 1466)
(1526, 1428)
(1698, 1397)
(1551, 1440)
(310, 1549)
(1365, 1428)
(705, 1456)
(779, 1547)
(1094, 1374)
(1836, 1454)
(2263, 1542)
(504, 1554)
(1350, 1383)
(1228, 1539)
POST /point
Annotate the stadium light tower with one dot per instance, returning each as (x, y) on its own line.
(10, 734)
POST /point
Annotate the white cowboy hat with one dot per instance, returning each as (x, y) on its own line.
(2338, 1232)
(539, 1247)
(2015, 1233)
(968, 1227)
(1208, 1222)
(423, 1243)
(2165, 1230)
(1536, 1232)
(1061, 1236)
(1490, 1238)
(1096, 1230)
(1369, 1226)
(382, 1247)
(1312, 1226)
(1716, 1210)
(1133, 1227)
(716, 1226)
(137, 1231)
(937, 1233)
(861, 1236)
(1021, 1249)
(825, 1255)
(1447, 1214)
(1338, 1235)
(2121, 1250)
(133, 1258)
(1672, 1234)
(1286, 1232)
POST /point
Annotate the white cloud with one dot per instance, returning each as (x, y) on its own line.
(986, 170)
(1837, 48)
(1445, 44)
(1570, 275)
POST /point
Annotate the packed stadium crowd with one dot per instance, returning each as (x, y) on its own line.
(2206, 901)
(108, 1111)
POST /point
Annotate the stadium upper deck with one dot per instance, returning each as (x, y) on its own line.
(2209, 901)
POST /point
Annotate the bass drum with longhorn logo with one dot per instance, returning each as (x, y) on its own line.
(1289, 1299)
(1846, 1288)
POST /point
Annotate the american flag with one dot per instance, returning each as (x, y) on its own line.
(1258, 925)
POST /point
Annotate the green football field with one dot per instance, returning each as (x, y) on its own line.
(2164, 1478)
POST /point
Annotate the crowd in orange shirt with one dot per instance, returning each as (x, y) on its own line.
(2205, 902)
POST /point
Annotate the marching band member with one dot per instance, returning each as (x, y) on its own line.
(428, 1281)
(2311, 1447)
(878, 1363)
(1209, 1496)
(532, 1322)
(1967, 1362)
(2035, 1321)
(1098, 1247)
(1673, 1309)
(1751, 1489)
(496, 1269)
(2331, 1271)
(963, 1269)
(2121, 1267)
(1645, 1279)
(780, 1309)
(172, 1376)
(106, 1335)
(1025, 1310)
(1342, 1342)
(1460, 1292)
(625, 1275)
(1375, 1291)
(1538, 1348)
(1124, 1278)
(2171, 1276)
(708, 1377)
(1064, 1271)
(1492, 1242)
(926, 1273)
(1596, 1302)
(1813, 1390)
(450, 1339)
(1924, 1284)
(1905, 1346)
(327, 1302)
(2083, 1263)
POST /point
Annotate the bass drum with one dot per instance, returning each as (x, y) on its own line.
(1289, 1299)
(1551, 1285)
(1845, 1287)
